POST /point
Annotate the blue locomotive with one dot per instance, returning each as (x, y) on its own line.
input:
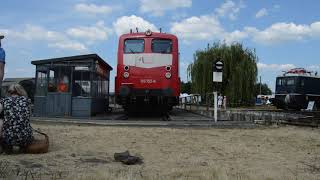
(296, 88)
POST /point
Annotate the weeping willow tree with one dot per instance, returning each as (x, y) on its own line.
(239, 72)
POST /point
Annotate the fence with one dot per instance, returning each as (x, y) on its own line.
(194, 102)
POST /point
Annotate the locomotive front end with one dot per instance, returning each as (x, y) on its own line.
(147, 72)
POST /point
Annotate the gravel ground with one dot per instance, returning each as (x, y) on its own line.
(86, 152)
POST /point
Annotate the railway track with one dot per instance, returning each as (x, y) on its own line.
(175, 119)
(306, 118)
(311, 119)
(181, 118)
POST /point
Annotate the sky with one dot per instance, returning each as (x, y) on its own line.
(285, 34)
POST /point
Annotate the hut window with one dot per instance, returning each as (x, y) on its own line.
(41, 83)
(81, 85)
(59, 79)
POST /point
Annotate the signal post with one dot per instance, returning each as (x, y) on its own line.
(217, 78)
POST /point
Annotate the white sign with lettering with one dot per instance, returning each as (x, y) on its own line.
(311, 106)
(217, 76)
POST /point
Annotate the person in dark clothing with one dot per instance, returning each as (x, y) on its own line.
(16, 130)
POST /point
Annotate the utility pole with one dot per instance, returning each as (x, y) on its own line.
(260, 86)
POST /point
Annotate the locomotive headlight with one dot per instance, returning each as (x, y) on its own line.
(168, 68)
(126, 68)
(125, 74)
(168, 75)
(148, 32)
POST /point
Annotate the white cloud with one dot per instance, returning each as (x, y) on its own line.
(37, 33)
(235, 36)
(230, 9)
(125, 23)
(314, 67)
(315, 29)
(206, 27)
(283, 32)
(92, 33)
(157, 8)
(32, 32)
(275, 67)
(69, 45)
(198, 28)
(262, 12)
(93, 9)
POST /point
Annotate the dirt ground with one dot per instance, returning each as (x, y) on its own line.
(86, 152)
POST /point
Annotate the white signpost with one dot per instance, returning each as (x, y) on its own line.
(217, 78)
(311, 106)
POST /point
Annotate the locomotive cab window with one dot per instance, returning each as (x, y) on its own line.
(290, 81)
(161, 46)
(302, 82)
(134, 46)
(279, 81)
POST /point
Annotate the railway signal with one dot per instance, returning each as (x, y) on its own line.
(217, 78)
(217, 71)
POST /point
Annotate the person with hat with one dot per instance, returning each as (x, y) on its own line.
(2, 62)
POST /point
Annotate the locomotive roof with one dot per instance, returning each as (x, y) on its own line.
(143, 35)
(299, 75)
(72, 58)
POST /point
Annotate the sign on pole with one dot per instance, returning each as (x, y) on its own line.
(217, 71)
(217, 77)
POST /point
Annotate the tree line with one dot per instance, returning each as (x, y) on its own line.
(239, 73)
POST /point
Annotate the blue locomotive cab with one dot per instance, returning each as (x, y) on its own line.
(296, 88)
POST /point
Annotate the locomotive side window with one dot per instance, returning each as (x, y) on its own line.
(302, 82)
(161, 46)
(134, 46)
(279, 81)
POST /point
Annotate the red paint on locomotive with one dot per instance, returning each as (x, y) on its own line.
(148, 70)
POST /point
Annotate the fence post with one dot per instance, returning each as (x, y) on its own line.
(207, 102)
(198, 103)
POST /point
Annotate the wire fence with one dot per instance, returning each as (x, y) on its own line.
(197, 102)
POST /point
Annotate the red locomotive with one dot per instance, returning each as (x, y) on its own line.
(147, 71)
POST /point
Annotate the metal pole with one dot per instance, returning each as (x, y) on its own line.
(260, 85)
(215, 106)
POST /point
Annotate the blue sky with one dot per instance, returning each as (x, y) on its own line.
(284, 33)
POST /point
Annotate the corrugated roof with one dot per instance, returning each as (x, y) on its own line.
(72, 58)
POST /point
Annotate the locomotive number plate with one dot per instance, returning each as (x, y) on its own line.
(147, 81)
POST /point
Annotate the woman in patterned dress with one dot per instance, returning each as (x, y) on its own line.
(16, 130)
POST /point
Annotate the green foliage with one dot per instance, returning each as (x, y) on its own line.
(186, 87)
(265, 90)
(239, 73)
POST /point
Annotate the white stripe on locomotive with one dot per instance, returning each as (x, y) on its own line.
(147, 60)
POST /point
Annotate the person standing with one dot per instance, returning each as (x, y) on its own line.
(220, 99)
(2, 63)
